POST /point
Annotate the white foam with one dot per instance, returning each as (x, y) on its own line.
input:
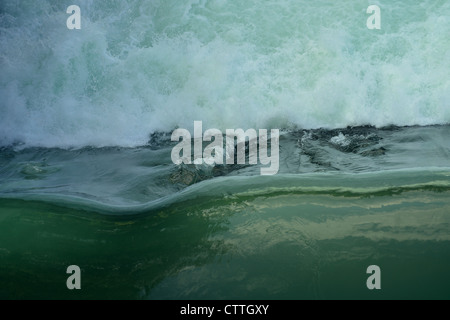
(134, 69)
(340, 140)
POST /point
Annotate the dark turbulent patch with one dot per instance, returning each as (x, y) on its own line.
(160, 140)
(357, 138)
(351, 149)
(188, 174)
(339, 149)
(348, 140)
(319, 145)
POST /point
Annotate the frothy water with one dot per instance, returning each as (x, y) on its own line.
(137, 67)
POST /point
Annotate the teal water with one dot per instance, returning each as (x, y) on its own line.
(86, 176)
(140, 227)
(283, 244)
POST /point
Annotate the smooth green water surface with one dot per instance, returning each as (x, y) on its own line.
(285, 245)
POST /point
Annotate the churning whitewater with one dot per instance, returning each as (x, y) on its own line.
(137, 67)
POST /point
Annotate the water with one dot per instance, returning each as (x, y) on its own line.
(137, 67)
(86, 176)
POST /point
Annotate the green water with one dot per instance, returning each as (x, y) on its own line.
(278, 244)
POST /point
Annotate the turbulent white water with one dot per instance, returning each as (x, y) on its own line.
(141, 66)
